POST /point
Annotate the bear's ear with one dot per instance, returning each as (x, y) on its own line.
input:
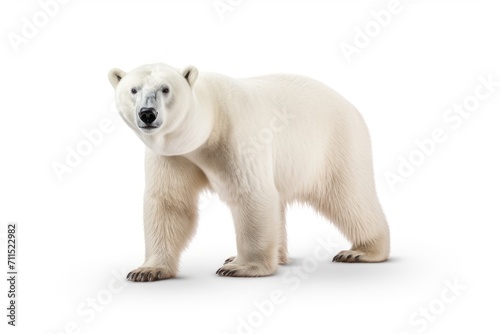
(190, 73)
(115, 75)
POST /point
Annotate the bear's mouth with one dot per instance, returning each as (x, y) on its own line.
(148, 127)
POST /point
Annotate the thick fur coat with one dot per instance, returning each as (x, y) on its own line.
(260, 143)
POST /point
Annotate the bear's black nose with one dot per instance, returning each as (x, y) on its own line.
(148, 115)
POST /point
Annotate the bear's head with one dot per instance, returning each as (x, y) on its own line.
(155, 101)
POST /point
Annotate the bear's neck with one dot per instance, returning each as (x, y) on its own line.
(196, 128)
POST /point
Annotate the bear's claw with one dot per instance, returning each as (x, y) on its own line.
(347, 256)
(224, 272)
(147, 274)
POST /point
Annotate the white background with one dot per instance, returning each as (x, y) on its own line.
(76, 234)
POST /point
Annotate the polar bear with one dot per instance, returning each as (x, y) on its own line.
(260, 143)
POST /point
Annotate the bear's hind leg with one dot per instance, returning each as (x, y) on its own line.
(353, 207)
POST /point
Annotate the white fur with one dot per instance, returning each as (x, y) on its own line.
(260, 143)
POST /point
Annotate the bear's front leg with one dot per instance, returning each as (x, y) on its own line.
(170, 214)
(256, 217)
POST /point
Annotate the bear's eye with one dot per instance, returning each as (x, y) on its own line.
(165, 90)
(134, 91)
